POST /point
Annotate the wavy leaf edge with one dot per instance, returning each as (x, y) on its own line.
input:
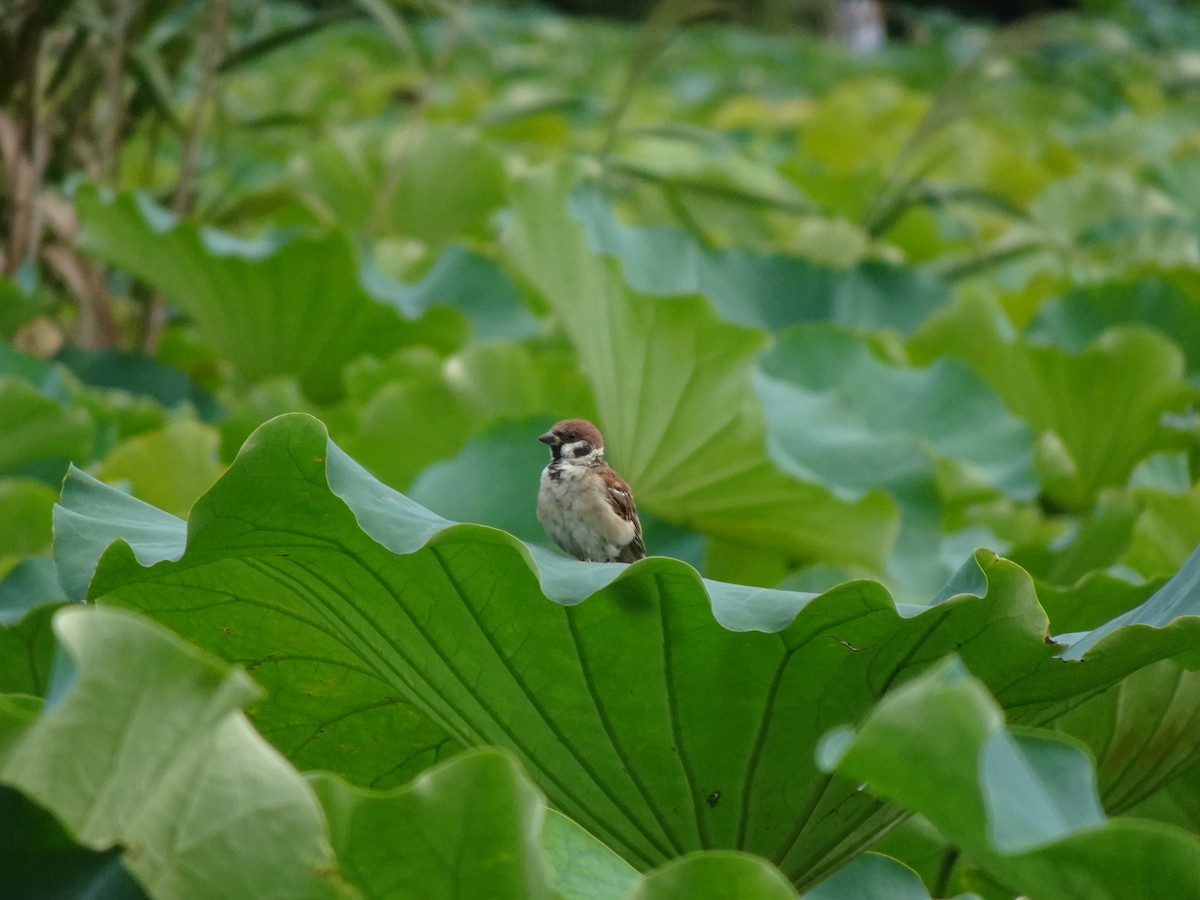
(735, 607)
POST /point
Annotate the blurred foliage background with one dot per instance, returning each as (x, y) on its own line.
(852, 290)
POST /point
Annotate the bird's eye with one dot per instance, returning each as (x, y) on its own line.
(570, 436)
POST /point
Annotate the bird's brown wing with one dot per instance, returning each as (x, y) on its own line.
(620, 498)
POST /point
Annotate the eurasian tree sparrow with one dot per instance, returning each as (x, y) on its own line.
(585, 507)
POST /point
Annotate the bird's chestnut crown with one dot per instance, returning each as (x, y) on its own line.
(573, 439)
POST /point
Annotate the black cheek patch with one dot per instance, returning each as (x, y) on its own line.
(580, 448)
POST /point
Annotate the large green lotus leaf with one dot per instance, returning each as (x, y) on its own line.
(25, 525)
(290, 79)
(1176, 803)
(1168, 302)
(1022, 803)
(1098, 410)
(29, 583)
(1112, 221)
(91, 515)
(468, 828)
(289, 305)
(1178, 176)
(22, 300)
(715, 876)
(478, 287)
(673, 389)
(854, 135)
(1166, 531)
(1140, 731)
(247, 409)
(915, 844)
(755, 289)
(1094, 542)
(45, 376)
(350, 602)
(26, 649)
(118, 415)
(168, 468)
(506, 380)
(477, 826)
(725, 184)
(403, 414)
(40, 435)
(840, 416)
(481, 483)
(435, 181)
(49, 418)
(41, 860)
(1167, 471)
(871, 876)
(913, 415)
(159, 759)
(138, 374)
(415, 408)
(582, 867)
(1176, 602)
(1092, 600)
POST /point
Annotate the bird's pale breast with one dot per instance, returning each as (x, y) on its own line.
(575, 511)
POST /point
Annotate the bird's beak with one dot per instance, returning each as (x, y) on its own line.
(549, 438)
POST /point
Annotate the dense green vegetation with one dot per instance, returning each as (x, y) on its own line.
(900, 354)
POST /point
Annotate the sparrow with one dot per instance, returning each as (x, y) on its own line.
(586, 507)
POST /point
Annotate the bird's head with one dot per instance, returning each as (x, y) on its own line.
(574, 441)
